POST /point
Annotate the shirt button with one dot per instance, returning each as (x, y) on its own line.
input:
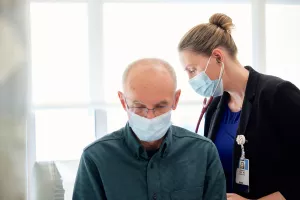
(154, 197)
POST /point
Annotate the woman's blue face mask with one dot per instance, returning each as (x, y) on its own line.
(206, 87)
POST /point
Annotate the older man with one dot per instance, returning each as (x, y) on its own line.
(150, 158)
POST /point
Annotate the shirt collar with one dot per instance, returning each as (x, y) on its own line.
(138, 150)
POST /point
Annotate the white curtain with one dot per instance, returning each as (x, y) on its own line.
(13, 95)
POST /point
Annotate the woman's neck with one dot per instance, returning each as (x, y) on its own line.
(235, 82)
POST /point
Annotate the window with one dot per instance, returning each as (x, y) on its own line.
(63, 133)
(133, 31)
(59, 38)
(61, 74)
(60, 79)
(283, 42)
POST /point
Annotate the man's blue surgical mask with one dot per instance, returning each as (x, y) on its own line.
(204, 86)
(149, 130)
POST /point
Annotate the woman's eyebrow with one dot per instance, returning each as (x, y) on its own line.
(189, 66)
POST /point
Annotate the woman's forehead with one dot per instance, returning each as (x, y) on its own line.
(191, 59)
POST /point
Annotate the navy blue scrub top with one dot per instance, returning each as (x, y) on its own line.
(224, 142)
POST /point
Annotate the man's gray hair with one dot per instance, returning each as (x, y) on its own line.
(150, 61)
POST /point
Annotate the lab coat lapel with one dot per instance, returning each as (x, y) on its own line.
(248, 101)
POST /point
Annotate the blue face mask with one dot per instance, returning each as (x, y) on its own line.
(149, 130)
(204, 86)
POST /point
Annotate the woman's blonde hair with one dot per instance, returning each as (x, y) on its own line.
(204, 38)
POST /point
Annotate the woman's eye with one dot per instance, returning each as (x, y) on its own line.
(191, 71)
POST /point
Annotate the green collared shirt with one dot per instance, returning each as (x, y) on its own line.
(116, 167)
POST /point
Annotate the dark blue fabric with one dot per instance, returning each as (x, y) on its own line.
(224, 142)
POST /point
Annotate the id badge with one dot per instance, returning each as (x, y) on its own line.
(242, 172)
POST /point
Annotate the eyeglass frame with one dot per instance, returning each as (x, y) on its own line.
(146, 109)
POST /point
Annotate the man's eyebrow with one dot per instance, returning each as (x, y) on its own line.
(136, 102)
(162, 103)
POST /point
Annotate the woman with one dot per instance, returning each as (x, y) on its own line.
(262, 112)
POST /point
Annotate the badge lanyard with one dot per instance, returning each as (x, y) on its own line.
(242, 172)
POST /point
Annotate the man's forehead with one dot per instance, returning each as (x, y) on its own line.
(150, 80)
(149, 99)
(149, 71)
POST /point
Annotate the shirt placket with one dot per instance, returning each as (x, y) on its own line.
(153, 180)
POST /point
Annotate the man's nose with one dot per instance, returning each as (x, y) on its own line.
(150, 114)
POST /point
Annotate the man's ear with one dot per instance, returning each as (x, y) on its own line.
(177, 96)
(122, 100)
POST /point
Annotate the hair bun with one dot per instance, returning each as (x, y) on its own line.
(221, 20)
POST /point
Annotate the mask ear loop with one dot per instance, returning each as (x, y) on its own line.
(207, 103)
(220, 76)
(207, 64)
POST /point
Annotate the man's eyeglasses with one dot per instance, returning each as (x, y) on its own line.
(143, 111)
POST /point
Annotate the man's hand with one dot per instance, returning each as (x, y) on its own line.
(233, 196)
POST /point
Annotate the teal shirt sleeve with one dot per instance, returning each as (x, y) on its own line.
(215, 182)
(88, 184)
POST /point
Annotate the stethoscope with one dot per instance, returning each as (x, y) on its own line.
(207, 103)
